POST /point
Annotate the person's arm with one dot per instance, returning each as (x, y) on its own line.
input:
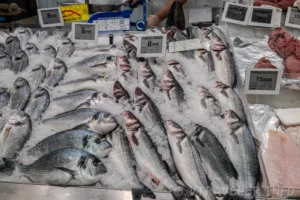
(162, 14)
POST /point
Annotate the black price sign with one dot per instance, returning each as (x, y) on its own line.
(152, 44)
(236, 12)
(85, 32)
(262, 15)
(263, 80)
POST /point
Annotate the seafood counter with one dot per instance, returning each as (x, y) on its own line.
(99, 116)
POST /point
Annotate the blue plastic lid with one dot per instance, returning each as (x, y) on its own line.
(103, 15)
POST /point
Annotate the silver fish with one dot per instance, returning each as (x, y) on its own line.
(120, 95)
(38, 75)
(20, 94)
(49, 50)
(14, 135)
(188, 161)
(172, 88)
(100, 60)
(209, 103)
(55, 72)
(146, 75)
(214, 158)
(242, 152)
(5, 60)
(30, 49)
(79, 139)
(20, 61)
(4, 97)
(12, 44)
(3, 36)
(38, 103)
(122, 158)
(65, 167)
(23, 34)
(230, 100)
(65, 48)
(149, 162)
(42, 35)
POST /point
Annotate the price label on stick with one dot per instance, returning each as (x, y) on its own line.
(152, 45)
(50, 17)
(264, 17)
(85, 32)
(263, 81)
(236, 13)
(293, 18)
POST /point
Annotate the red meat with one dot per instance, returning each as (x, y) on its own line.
(264, 63)
(292, 66)
(282, 4)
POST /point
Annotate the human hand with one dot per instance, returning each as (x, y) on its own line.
(152, 20)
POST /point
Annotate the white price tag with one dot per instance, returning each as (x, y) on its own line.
(187, 45)
(50, 17)
(85, 32)
(152, 45)
(236, 13)
(115, 24)
(293, 18)
(263, 81)
(206, 14)
(264, 17)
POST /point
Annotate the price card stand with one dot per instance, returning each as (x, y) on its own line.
(236, 13)
(293, 18)
(84, 32)
(50, 17)
(263, 81)
(152, 45)
(264, 17)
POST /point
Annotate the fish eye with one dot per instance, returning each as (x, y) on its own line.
(105, 95)
(96, 117)
(106, 115)
(97, 141)
(96, 162)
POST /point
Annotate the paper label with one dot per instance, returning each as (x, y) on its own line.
(50, 17)
(73, 13)
(151, 45)
(263, 81)
(293, 18)
(264, 17)
(114, 24)
(85, 32)
(187, 45)
(236, 13)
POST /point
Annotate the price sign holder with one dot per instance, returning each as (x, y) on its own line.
(186, 45)
(50, 17)
(236, 13)
(293, 18)
(152, 45)
(84, 32)
(263, 81)
(261, 16)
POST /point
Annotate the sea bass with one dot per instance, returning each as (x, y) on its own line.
(20, 61)
(124, 68)
(65, 48)
(79, 139)
(20, 94)
(130, 49)
(38, 75)
(49, 50)
(5, 61)
(12, 44)
(209, 103)
(146, 76)
(55, 72)
(65, 167)
(97, 61)
(38, 103)
(120, 95)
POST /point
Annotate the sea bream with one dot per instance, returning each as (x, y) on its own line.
(65, 167)
(120, 95)
(13, 136)
(20, 61)
(12, 44)
(49, 50)
(87, 140)
(209, 103)
(20, 94)
(38, 103)
(30, 49)
(97, 63)
(241, 150)
(150, 168)
(65, 48)
(188, 162)
(5, 60)
(146, 76)
(55, 72)
(23, 34)
(4, 97)
(38, 75)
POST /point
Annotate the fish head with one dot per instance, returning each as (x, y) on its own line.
(98, 145)
(20, 82)
(206, 32)
(64, 41)
(168, 80)
(19, 55)
(140, 99)
(119, 92)
(174, 130)
(112, 61)
(217, 43)
(132, 124)
(104, 122)
(90, 167)
(56, 65)
(11, 39)
(18, 118)
(39, 92)
(3, 54)
(100, 97)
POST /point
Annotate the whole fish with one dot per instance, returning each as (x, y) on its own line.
(150, 114)
(12, 44)
(100, 60)
(124, 68)
(120, 95)
(38, 75)
(30, 49)
(175, 67)
(4, 97)
(214, 158)
(14, 135)
(194, 32)
(102, 122)
(20, 94)
(55, 72)
(223, 62)
(65, 48)
(49, 50)
(176, 16)
(20, 61)
(172, 88)
(149, 163)
(23, 34)
(42, 35)
(121, 155)
(130, 49)
(65, 167)
(38, 103)
(188, 161)
(209, 103)
(242, 152)
(230, 100)
(79, 139)
(99, 100)
(146, 75)
(5, 60)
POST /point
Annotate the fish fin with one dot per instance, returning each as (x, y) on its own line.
(134, 140)
(234, 137)
(224, 93)
(72, 173)
(179, 146)
(203, 103)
